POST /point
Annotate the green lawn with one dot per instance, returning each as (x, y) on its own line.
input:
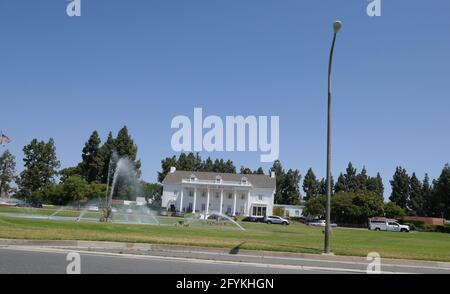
(295, 238)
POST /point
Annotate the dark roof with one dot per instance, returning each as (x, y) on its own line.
(257, 181)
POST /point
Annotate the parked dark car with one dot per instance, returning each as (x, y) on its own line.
(26, 204)
(253, 219)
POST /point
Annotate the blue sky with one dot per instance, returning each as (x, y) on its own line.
(140, 63)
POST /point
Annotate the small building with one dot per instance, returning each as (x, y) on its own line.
(290, 210)
(225, 193)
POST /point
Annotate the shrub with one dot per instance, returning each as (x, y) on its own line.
(436, 228)
(412, 226)
(278, 211)
(418, 225)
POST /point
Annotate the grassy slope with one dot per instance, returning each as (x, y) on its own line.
(296, 238)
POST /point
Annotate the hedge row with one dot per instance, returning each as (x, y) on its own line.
(422, 227)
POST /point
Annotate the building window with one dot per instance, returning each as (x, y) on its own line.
(217, 195)
(259, 211)
(242, 196)
(244, 181)
(229, 209)
(203, 194)
(203, 206)
(193, 178)
(297, 212)
(260, 197)
(218, 180)
(191, 193)
(230, 195)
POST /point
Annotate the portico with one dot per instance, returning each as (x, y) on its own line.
(223, 199)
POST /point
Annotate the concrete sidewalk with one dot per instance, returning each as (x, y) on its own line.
(236, 255)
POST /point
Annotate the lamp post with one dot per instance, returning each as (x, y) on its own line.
(337, 25)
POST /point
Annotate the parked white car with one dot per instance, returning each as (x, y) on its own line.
(383, 224)
(93, 208)
(276, 220)
(321, 223)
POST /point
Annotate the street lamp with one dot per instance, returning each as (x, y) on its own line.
(337, 25)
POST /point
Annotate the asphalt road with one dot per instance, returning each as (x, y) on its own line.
(38, 262)
(49, 260)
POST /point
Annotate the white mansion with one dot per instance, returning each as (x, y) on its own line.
(231, 194)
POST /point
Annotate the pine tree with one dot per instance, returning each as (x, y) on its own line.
(279, 174)
(400, 188)
(442, 193)
(341, 185)
(323, 186)
(351, 181)
(124, 146)
(375, 184)
(416, 200)
(362, 180)
(166, 164)
(259, 171)
(106, 152)
(311, 185)
(92, 162)
(427, 192)
(380, 185)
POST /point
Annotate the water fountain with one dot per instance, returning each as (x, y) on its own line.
(122, 181)
(204, 216)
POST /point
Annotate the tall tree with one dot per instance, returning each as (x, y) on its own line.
(416, 200)
(375, 184)
(287, 184)
(400, 188)
(277, 168)
(351, 181)
(442, 193)
(362, 180)
(92, 162)
(340, 185)
(40, 167)
(323, 186)
(380, 185)
(7, 172)
(124, 146)
(427, 192)
(166, 164)
(311, 185)
(106, 152)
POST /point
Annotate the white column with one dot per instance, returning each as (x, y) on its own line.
(248, 203)
(221, 200)
(207, 203)
(181, 199)
(234, 206)
(195, 199)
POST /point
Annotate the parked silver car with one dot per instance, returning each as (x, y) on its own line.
(276, 220)
(321, 223)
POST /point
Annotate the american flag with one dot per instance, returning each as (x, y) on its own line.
(4, 139)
